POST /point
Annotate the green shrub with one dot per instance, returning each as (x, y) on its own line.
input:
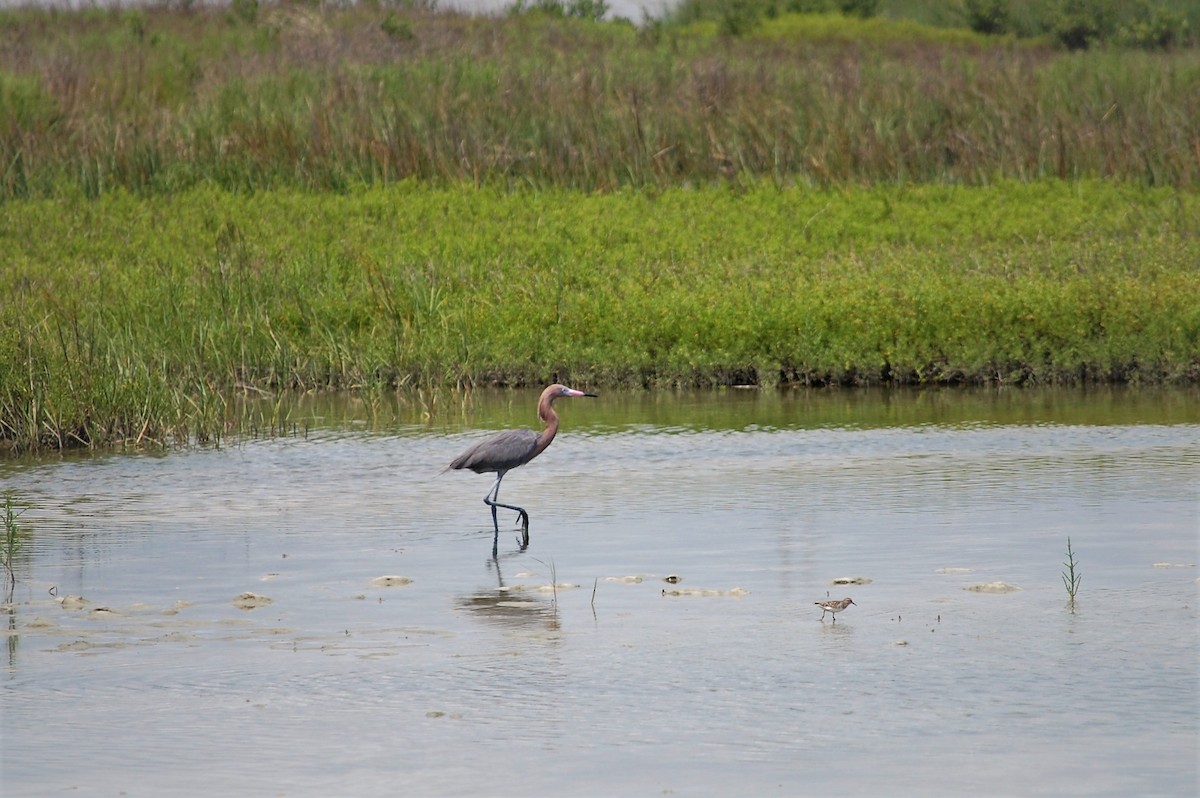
(1080, 24)
(1154, 28)
(859, 8)
(739, 16)
(990, 17)
(396, 29)
(245, 10)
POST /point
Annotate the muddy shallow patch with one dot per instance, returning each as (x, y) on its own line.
(733, 592)
(251, 601)
(391, 581)
(993, 587)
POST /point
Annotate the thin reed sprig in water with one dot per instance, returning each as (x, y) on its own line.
(1071, 577)
(11, 544)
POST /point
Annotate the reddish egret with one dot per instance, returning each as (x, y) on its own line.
(834, 607)
(503, 452)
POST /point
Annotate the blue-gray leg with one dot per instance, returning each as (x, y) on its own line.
(492, 500)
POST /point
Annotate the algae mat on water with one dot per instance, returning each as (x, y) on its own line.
(133, 317)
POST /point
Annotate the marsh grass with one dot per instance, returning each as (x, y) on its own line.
(11, 544)
(150, 321)
(553, 587)
(157, 100)
(203, 208)
(1071, 577)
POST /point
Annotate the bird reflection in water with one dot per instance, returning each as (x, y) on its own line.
(519, 606)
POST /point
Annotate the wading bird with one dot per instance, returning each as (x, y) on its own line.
(834, 607)
(501, 453)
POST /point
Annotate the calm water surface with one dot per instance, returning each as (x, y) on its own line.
(566, 669)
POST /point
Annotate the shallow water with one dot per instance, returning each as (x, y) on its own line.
(478, 677)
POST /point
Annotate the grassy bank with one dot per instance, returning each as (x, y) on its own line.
(201, 203)
(156, 100)
(137, 318)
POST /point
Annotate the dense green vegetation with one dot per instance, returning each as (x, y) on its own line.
(1074, 24)
(197, 204)
(133, 317)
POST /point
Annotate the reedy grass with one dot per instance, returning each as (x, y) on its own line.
(11, 544)
(141, 320)
(158, 100)
(1070, 577)
(162, 254)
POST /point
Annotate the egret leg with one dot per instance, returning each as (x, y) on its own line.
(489, 500)
(492, 500)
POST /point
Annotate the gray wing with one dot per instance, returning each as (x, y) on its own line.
(500, 452)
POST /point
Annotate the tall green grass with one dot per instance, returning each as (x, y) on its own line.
(158, 100)
(201, 205)
(142, 319)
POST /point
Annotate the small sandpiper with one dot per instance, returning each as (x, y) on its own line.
(834, 606)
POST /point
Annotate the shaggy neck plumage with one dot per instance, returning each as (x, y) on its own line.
(549, 418)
